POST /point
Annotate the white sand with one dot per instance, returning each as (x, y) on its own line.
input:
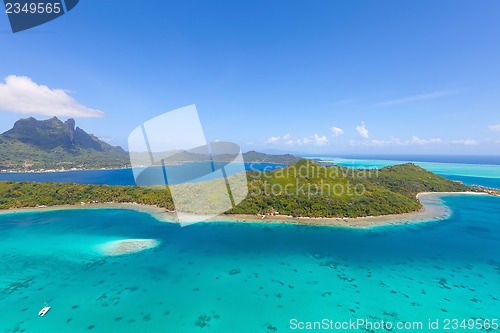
(125, 246)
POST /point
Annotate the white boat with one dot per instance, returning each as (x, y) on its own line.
(44, 310)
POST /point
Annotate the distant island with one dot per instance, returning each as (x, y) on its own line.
(52, 144)
(40, 145)
(391, 190)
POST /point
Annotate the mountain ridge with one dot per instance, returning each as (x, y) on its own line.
(33, 144)
(50, 144)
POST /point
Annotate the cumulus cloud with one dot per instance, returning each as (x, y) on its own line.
(20, 94)
(336, 131)
(315, 139)
(273, 139)
(278, 139)
(362, 130)
(494, 127)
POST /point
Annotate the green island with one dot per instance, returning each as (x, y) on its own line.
(302, 189)
(52, 144)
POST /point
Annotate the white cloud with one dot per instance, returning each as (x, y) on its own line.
(20, 94)
(415, 140)
(379, 143)
(416, 98)
(273, 139)
(467, 142)
(362, 130)
(418, 141)
(494, 127)
(375, 142)
(315, 139)
(278, 139)
(336, 131)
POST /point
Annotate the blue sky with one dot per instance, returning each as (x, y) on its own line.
(325, 77)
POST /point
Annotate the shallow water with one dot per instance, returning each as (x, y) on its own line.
(244, 278)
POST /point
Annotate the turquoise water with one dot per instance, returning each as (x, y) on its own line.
(470, 174)
(242, 277)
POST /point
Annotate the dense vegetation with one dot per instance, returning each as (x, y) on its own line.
(52, 144)
(301, 189)
(308, 189)
(256, 157)
(31, 194)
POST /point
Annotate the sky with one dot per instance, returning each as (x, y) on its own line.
(311, 77)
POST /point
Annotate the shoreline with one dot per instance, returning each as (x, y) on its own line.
(432, 209)
(40, 171)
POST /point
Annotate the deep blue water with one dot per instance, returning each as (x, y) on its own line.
(109, 177)
(469, 171)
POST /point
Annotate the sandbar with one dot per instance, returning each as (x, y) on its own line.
(126, 246)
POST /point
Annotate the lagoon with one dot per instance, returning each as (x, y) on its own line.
(227, 277)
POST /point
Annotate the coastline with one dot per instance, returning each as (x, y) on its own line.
(36, 171)
(432, 209)
(5, 171)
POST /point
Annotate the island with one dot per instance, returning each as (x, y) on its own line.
(304, 192)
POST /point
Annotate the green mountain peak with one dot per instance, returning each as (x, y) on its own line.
(52, 143)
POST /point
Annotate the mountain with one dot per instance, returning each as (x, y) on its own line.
(52, 144)
(256, 157)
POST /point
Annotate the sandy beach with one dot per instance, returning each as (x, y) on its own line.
(433, 209)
